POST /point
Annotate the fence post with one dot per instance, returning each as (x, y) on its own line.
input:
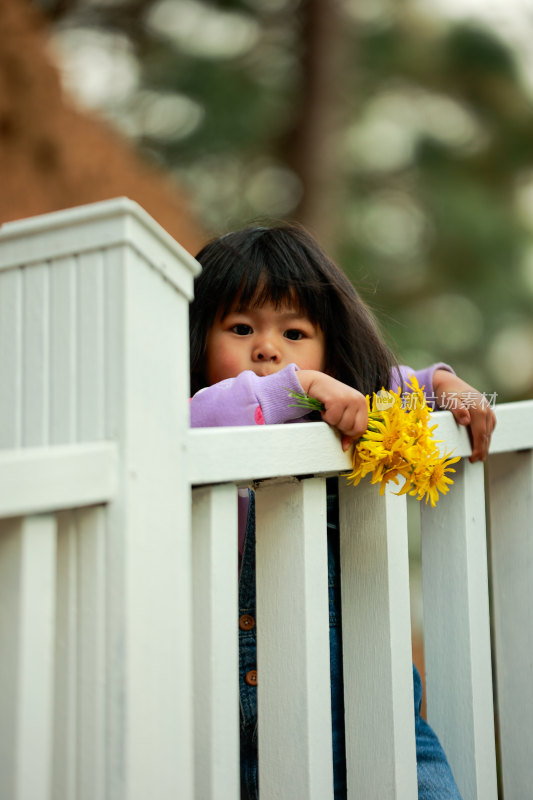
(94, 319)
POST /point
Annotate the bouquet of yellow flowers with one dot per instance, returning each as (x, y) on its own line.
(398, 442)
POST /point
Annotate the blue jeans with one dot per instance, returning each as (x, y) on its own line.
(435, 779)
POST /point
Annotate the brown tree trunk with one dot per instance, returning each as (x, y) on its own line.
(312, 147)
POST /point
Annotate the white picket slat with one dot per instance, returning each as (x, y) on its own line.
(216, 660)
(80, 752)
(91, 654)
(65, 764)
(295, 749)
(27, 608)
(457, 632)
(378, 682)
(511, 547)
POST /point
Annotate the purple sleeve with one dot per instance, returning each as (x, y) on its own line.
(248, 400)
(423, 376)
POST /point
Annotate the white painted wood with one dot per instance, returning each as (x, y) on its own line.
(64, 356)
(27, 603)
(216, 642)
(242, 453)
(100, 352)
(115, 274)
(237, 454)
(91, 654)
(10, 359)
(49, 478)
(65, 763)
(91, 347)
(81, 686)
(511, 547)
(109, 223)
(35, 356)
(149, 582)
(514, 430)
(457, 634)
(378, 682)
(294, 725)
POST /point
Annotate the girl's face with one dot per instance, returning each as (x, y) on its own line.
(264, 339)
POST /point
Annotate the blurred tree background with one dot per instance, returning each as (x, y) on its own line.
(398, 132)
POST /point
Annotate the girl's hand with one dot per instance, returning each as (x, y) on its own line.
(345, 408)
(468, 407)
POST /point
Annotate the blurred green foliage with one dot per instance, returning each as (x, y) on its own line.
(430, 204)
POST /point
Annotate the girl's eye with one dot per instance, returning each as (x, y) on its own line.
(293, 334)
(241, 329)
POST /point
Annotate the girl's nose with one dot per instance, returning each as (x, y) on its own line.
(265, 350)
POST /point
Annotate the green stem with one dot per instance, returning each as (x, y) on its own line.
(305, 401)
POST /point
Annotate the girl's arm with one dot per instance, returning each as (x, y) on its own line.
(344, 408)
(469, 407)
(248, 400)
(425, 378)
(444, 389)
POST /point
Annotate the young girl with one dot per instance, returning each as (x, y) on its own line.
(272, 313)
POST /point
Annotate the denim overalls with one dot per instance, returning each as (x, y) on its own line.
(435, 779)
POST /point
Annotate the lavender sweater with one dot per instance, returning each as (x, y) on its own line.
(250, 400)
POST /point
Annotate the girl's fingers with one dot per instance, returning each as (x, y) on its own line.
(480, 445)
(353, 421)
(462, 415)
(481, 427)
(348, 420)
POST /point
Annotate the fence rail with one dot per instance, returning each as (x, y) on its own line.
(118, 560)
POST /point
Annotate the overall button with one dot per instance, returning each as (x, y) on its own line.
(251, 677)
(246, 622)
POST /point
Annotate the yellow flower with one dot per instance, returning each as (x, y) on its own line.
(433, 478)
(399, 441)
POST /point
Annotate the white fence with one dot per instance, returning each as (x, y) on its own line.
(118, 627)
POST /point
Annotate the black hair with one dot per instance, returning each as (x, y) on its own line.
(254, 266)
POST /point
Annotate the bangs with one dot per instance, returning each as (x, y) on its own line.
(255, 293)
(266, 275)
